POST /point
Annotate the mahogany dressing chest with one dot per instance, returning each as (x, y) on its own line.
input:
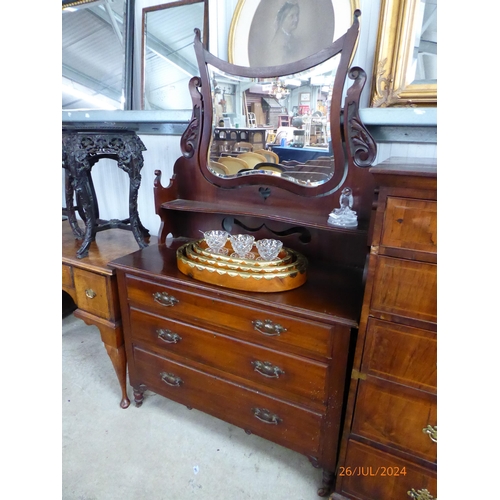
(275, 364)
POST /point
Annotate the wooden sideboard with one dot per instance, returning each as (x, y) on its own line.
(389, 445)
(92, 286)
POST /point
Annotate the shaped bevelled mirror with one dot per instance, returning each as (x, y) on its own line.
(234, 146)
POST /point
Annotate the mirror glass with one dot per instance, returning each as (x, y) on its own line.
(169, 60)
(93, 55)
(423, 68)
(272, 126)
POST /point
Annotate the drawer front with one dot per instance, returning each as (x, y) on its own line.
(402, 354)
(374, 475)
(92, 294)
(254, 325)
(405, 288)
(285, 424)
(274, 371)
(67, 276)
(410, 224)
(393, 417)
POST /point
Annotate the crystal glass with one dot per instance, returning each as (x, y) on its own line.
(216, 239)
(268, 249)
(242, 246)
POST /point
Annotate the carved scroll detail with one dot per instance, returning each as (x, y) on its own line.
(190, 137)
(361, 145)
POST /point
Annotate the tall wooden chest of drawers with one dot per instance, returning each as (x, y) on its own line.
(389, 445)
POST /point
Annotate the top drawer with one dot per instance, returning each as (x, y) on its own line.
(254, 325)
(410, 224)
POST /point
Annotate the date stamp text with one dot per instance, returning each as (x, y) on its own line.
(372, 471)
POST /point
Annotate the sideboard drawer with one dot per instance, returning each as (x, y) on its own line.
(274, 371)
(283, 423)
(405, 288)
(251, 324)
(410, 224)
(402, 354)
(372, 474)
(92, 293)
(389, 415)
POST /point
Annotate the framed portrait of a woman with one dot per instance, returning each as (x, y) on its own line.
(274, 32)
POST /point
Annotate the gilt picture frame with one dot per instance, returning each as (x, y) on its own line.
(392, 83)
(260, 36)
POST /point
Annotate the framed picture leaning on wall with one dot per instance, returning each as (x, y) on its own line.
(274, 32)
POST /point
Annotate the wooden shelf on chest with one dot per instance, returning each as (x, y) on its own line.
(292, 215)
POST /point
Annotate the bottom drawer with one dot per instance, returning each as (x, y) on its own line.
(276, 420)
(371, 474)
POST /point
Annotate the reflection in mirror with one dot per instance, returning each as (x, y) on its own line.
(288, 114)
(168, 58)
(93, 54)
(423, 68)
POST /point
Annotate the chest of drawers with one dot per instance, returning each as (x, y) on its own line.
(389, 444)
(262, 362)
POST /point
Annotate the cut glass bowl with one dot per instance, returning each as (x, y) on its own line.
(216, 239)
(242, 245)
(268, 249)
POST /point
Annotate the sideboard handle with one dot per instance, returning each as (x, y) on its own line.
(432, 432)
(267, 327)
(168, 336)
(171, 379)
(266, 416)
(90, 293)
(267, 369)
(420, 494)
(165, 299)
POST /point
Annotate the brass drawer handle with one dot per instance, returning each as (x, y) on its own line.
(420, 494)
(432, 432)
(168, 336)
(267, 369)
(266, 416)
(90, 293)
(171, 379)
(165, 299)
(267, 327)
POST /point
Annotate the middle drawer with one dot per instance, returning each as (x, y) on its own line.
(277, 372)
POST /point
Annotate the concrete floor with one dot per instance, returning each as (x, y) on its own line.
(162, 450)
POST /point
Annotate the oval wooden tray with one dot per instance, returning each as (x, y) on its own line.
(241, 280)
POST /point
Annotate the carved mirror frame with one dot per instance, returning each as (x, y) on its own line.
(351, 143)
